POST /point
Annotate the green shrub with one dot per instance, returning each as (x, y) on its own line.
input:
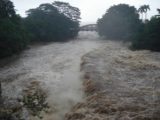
(149, 37)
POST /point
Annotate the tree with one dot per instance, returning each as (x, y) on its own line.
(47, 23)
(144, 9)
(158, 10)
(120, 22)
(6, 9)
(0, 95)
(141, 11)
(149, 37)
(65, 8)
(13, 37)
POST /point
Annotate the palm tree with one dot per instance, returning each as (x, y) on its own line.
(158, 10)
(144, 9)
(141, 11)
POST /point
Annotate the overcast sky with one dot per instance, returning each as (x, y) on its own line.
(91, 10)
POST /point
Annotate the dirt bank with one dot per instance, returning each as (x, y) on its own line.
(120, 85)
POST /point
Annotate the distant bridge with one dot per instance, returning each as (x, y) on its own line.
(89, 27)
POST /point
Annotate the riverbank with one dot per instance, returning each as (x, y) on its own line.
(119, 84)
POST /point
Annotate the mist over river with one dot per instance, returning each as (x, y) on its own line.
(56, 66)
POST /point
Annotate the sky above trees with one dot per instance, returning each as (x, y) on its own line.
(91, 10)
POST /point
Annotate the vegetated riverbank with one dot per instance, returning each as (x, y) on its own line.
(44, 82)
(119, 84)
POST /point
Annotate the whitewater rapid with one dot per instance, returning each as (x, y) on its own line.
(57, 67)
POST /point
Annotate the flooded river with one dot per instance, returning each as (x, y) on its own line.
(56, 66)
(120, 84)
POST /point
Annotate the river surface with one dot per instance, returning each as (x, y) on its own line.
(56, 66)
(122, 84)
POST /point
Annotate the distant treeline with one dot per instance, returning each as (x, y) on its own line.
(58, 21)
(122, 22)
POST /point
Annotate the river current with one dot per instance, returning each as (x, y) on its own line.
(56, 66)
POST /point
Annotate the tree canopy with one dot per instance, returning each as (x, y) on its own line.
(149, 37)
(119, 22)
(58, 21)
(6, 9)
(144, 9)
(158, 10)
(69, 11)
(13, 37)
(48, 23)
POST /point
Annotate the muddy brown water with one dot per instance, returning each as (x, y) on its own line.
(131, 78)
(56, 66)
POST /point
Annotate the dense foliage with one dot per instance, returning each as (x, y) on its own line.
(58, 21)
(149, 37)
(13, 37)
(65, 8)
(119, 22)
(53, 22)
